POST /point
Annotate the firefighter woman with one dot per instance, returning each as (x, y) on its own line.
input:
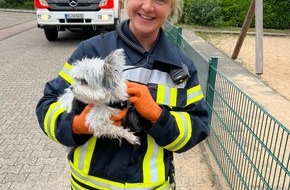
(164, 90)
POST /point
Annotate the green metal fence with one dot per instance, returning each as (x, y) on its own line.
(251, 148)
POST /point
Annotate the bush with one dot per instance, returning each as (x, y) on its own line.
(200, 12)
(17, 4)
(233, 13)
(276, 14)
(185, 11)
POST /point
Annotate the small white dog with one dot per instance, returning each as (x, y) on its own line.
(99, 82)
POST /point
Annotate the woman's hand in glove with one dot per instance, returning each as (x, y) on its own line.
(79, 122)
(117, 119)
(143, 101)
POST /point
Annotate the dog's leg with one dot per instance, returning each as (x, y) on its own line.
(66, 100)
(99, 122)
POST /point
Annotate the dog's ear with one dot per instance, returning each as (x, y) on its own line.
(113, 68)
(115, 60)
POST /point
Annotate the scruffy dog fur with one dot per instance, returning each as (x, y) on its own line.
(99, 82)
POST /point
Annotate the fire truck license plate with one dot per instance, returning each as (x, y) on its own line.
(74, 16)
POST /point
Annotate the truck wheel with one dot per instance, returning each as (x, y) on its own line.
(51, 34)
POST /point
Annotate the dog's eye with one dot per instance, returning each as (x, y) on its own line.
(83, 82)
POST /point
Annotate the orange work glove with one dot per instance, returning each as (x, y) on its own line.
(79, 122)
(143, 101)
(117, 119)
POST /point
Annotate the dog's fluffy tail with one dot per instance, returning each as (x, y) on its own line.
(115, 132)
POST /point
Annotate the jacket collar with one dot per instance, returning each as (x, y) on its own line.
(162, 50)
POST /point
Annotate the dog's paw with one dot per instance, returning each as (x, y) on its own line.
(134, 140)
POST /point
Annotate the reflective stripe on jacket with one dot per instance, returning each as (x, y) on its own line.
(103, 163)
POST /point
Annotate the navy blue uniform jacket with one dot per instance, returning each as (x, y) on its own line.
(103, 163)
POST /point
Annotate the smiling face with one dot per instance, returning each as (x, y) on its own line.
(147, 16)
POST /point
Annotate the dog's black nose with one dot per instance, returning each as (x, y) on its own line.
(71, 87)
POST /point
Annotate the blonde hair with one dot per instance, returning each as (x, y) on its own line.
(176, 12)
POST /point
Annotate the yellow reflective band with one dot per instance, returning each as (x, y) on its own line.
(75, 186)
(160, 94)
(93, 181)
(65, 73)
(83, 154)
(194, 94)
(89, 153)
(184, 125)
(173, 96)
(99, 183)
(51, 116)
(148, 186)
(77, 153)
(166, 95)
(160, 164)
(165, 186)
(153, 163)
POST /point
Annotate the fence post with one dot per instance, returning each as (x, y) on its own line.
(179, 37)
(211, 84)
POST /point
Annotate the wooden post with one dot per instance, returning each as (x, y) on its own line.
(244, 30)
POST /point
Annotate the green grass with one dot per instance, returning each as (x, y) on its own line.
(230, 29)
